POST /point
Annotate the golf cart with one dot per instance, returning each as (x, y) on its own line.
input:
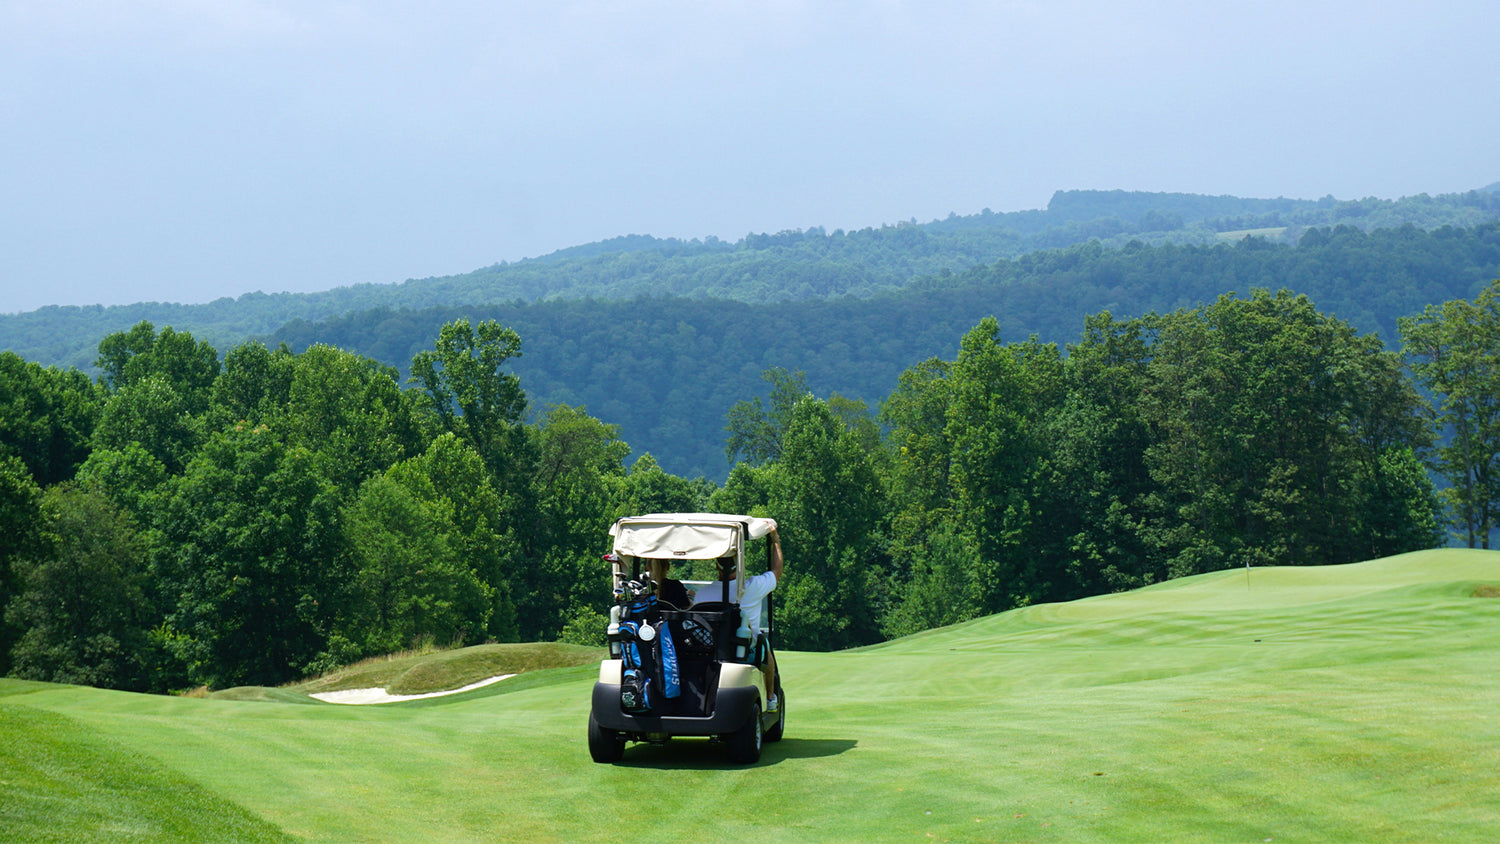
(683, 670)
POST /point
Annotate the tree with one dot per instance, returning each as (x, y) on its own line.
(997, 401)
(463, 384)
(1093, 489)
(579, 474)
(46, 417)
(256, 383)
(451, 476)
(151, 413)
(1455, 352)
(250, 564)
(20, 537)
(128, 476)
(1268, 421)
(82, 603)
(649, 489)
(1404, 512)
(829, 503)
(411, 583)
(351, 412)
(117, 350)
(939, 589)
(189, 366)
(755, 433)
(920, 485)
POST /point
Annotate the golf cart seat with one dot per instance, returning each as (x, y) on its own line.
(706, 631)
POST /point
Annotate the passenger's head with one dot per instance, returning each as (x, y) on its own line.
(727, 565)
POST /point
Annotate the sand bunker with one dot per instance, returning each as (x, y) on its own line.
(360, 696)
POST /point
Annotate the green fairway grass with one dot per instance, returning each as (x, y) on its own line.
(1338, 703)
(60, 783)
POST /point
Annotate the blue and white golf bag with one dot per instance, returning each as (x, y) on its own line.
(649, 675)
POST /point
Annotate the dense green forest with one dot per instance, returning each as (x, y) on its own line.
(190, 519)
(668, 369)
(789, 266)
(959, 436)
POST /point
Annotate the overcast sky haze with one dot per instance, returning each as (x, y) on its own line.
(184, 150)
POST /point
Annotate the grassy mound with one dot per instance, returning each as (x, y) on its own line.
(1350, 703)
(430, 671)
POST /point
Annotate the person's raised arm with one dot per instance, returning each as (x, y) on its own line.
(775, 555)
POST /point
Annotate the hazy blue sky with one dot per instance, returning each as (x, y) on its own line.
(183, 150)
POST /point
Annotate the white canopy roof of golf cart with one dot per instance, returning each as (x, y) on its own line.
(684, 536)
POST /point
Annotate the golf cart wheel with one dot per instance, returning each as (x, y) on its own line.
(774, 734)
(744, 743)
(604, 745)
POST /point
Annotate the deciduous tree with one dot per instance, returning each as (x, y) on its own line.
(997, 402)
(20, 536)
(82, 602)
(1454, 350)
(755, 432)
(47, 416)
(250, 559)
(464, 385)
(411, 583)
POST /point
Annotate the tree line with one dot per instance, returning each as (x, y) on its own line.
(190, 519)
(695, 358)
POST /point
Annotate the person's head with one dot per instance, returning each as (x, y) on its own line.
(726, 565)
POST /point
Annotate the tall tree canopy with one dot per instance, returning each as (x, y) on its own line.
(250, 558)
(83, 600)
(47, 416)
(465, 385)
(289, 511)
(1455, 352)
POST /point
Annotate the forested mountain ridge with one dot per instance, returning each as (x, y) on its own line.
(790, 266)
(251, 514)
(668, 369)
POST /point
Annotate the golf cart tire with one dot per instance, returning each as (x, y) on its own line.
(604, 745)
(744, 744)
(774, 734)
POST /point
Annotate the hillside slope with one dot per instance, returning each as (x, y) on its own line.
(667, 370)
(1313, 704)
(788, 266)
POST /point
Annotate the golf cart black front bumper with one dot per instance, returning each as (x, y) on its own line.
(733, 707)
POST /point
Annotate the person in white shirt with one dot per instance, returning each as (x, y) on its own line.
(755, 591)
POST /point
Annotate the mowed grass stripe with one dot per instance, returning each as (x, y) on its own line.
(1365, 712)
(58, 783)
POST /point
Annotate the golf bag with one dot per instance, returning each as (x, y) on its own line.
(649, 673)
(648, 676)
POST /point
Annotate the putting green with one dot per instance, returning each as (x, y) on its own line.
(1338, 703)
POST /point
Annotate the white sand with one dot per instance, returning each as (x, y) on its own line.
(360, 696)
